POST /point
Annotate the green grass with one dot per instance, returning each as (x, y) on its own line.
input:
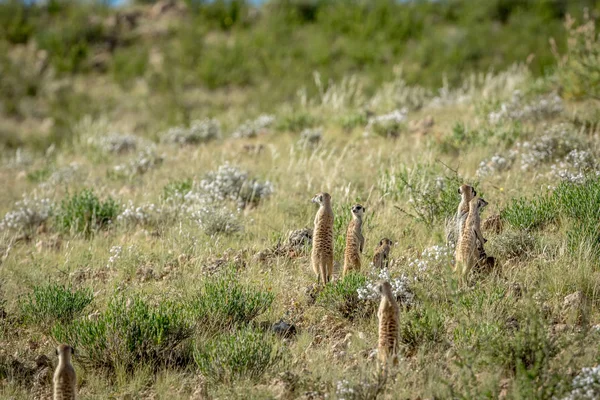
(178, 298)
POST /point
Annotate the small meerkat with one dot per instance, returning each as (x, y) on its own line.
(382, 253)
(467, 252)
(65, 381)
(322, 249)
(355, 241)
(387, 315)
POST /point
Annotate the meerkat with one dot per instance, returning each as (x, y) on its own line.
(322, 250)
(467, 252)
(65, 381)
(355, 241)
(387, 315)
(382, 253)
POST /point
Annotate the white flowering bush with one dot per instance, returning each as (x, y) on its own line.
(117, 143)
(431, 258)
(215, 220)
(253, 128)
(515, 110)
(231, 183)
(388, 125)
(310, 138)
(27, 214)
(138, 215)
(586, 385)
(400, 287)
(146, 160)
(575, 167)
(496, 164)
(198, 132)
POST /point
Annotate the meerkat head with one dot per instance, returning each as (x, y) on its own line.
(384, 289)
(386, 242)
(477, 204)
(64, 352)
(467, 192)
(358, 211)
(321, 198)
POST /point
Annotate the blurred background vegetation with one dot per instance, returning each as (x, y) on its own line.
(61, 60)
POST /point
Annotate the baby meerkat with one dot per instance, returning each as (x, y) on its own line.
(65, 381)
(322, 249)
(355, 240)
(382, 253)
(467, 250)
(387, 315)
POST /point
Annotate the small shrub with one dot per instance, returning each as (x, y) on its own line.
(54, 303)
(245, 353)
(216, 221)
(27, 215)
(351, 121)
(578, 69)
(199, 132)
(251, 129)
(586, 385)
(420, 326)
(145, 160)
(342, 296)
(224, 301)
(177, 189)
(85, 212)
(530, 214)
(388, 125)
(231, 183)
(131, 333)
(543, 107)
(296, 122)
(514, 245)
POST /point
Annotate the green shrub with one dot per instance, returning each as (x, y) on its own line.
(244, 353)
(578, 69)
(85, 212)
(177, 189)
(131, 333)
(463, 137)
(576, 203)
(52, 303)
(353, 120)
(341, 296)
(420, 326)
(224, 302)
(296, 122)
(531, 214)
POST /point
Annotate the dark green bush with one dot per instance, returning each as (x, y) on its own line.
(85, 212)
(54, 303)
(224, 302)
(244, 353)
(341, 296)
(531, 214)
(296, 122)
(131, 333)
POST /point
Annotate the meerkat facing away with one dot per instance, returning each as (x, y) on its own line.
(65, 382)
(467, 250)
(355, 241)
(387, 315)
(382, 253)
(454, 226)
(322, 250)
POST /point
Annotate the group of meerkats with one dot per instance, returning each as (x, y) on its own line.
(466, 226)
(463, 230)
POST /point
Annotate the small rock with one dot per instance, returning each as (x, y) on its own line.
(284, 329)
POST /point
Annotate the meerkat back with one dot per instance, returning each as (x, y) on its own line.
(387, 314)
(65, 381)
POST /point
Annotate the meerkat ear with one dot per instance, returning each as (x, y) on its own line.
(73, 350)
(56, 351)
(474, 192)
(459, 192)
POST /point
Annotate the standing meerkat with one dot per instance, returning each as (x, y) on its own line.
(467, 249)
(454, 225)
(382, 253)
(387, 315)
(322, 249)
(65, 382)
(355, 241)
